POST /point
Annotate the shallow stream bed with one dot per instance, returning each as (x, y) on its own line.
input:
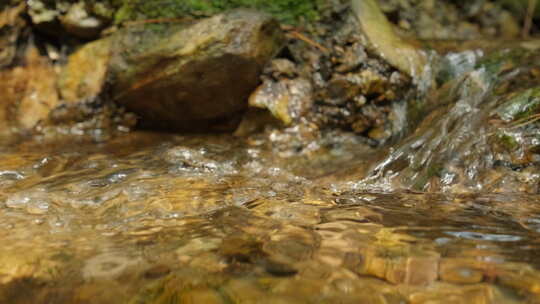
(150, 218)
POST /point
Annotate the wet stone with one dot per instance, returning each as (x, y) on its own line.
(478, 294)
(157, 271)
(84, 77)
(201, 295)
(519, 278)
(401, 264)
(280, 67)
(245, 291)
(186, 68)
(279, 269)
(28, 93)
(379, 33)
(460, 271)
(288, 100)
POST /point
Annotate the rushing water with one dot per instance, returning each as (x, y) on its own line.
(153, 218)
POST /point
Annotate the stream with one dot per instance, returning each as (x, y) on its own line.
(437, 216)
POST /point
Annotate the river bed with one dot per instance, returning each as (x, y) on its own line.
(153, 218)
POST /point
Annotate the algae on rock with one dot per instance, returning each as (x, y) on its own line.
(383, 40)
(521, 106)
(192, 77)
(287, 11)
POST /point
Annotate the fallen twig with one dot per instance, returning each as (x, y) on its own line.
(293, 33)
(527, 121)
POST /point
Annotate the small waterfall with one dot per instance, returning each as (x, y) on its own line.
(454, 148)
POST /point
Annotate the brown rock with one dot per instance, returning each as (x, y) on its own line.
(288, 99)
(461, 271)
(192, 77)
(422, 270)
(401, 265)
(84, 76)
(476, 294)
(28, 93)
(201, 295)
(520, 277)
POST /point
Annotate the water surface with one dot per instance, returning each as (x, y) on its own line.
(150, 218)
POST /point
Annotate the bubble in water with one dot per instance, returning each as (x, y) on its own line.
(34, 202)
(179, 154)
(18, 200)
(11, 175)
(119, 176)
(137, 191)
(481, 236)
(37, 207)
(193, 161)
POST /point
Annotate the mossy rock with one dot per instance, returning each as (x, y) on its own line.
(192, 76)
(383, 40)
(286, 11)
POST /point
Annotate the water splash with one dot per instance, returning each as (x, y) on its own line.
(456, 147)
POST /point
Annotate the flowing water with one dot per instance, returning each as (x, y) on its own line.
(155, 218)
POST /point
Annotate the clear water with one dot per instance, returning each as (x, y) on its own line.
(150, 218)
(154, 218)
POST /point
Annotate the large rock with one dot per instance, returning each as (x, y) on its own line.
(192, 77)
(27, 93)
(383, 41)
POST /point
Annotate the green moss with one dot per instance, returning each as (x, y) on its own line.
(520, 106)
(417, 109)
(500, 61)
(287, 11)
(435, 170)
(507, 141)
(432, 170)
